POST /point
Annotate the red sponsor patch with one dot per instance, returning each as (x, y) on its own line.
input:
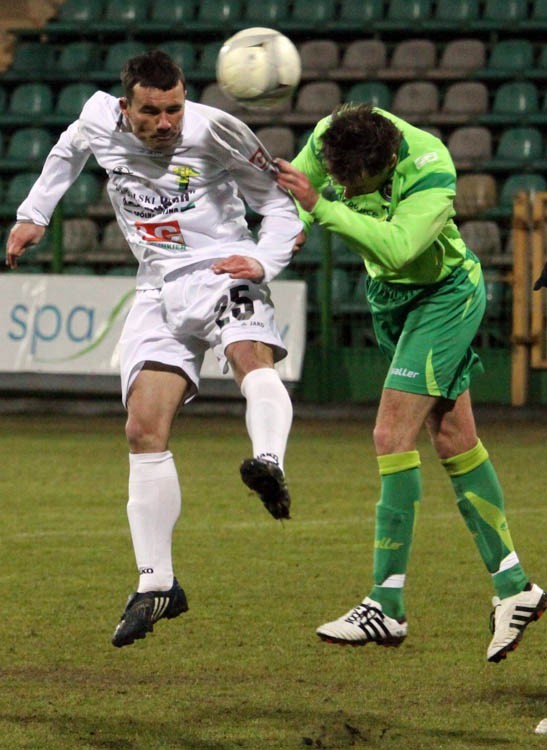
(260, 159)
(164, 231)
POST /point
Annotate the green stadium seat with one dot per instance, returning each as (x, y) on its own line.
(539, 71)
(74, 16)
(192, 92)
(539, 117)
(454, 15)
(77, 60)
(307, 16)
(122, 16)
(376, 92)
(508, 59)
(205, 69)
(514, 184)
(518, 149)
(269, 13)
(70, 102)
(17, 190)
(29, 102)
(341, 290)
(537, 19)
(498, 15)
(3, 98)
(183, 53)
(115, 57)
(169, 18)
(81, 195)
(27, 148)
(496, 298)
(406, 15)
(216, 16)
(514, 103)
(31, 61)
(357, 15)
(342, 256)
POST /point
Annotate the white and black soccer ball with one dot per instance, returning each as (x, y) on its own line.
(258, 67)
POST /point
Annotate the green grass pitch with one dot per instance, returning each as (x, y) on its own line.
(244, 668)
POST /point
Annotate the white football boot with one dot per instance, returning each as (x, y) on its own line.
(365, 623)
(510, 617)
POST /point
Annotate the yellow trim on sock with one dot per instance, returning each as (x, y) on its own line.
(466, 462)
(391, 463)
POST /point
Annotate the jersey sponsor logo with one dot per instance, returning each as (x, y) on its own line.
(260, 159)
(403, 372)
(424, 159)
(164, 231)
(184, 174)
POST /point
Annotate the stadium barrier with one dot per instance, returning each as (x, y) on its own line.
(529, 334)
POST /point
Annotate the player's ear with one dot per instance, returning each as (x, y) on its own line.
(123, 103)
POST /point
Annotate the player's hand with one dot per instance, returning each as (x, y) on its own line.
(541, 279)
(296, 183)
(21, 236)
(301, 238)
(240, 267)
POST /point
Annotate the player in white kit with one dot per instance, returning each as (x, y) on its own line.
(177, 173)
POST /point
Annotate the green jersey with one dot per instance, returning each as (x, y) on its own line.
(405, 231)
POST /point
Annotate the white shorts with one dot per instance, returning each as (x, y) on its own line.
(196, 311)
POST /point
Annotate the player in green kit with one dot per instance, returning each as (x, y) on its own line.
(387, 188)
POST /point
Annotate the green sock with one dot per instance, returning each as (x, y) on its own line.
(395, 515)
(480, 501)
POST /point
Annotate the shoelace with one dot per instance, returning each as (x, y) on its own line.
(364, 613)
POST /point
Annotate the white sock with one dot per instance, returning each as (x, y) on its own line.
(268, 415)
(153, 509)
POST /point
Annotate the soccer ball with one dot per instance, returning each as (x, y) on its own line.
(259, 68)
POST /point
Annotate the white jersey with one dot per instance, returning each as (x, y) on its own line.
(179, 208)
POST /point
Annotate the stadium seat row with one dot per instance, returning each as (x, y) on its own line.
(478, 194)
(85, 60)
(422, 102)
(472, 147)
(147, 16)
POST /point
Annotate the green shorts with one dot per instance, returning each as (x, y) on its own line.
(426, 331)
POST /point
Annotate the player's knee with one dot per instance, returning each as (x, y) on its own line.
(382, 438)
(144, 436)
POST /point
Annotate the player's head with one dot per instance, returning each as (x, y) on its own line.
(154, 98)
(360, 148)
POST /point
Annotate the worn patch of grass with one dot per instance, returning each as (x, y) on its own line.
(243, 668)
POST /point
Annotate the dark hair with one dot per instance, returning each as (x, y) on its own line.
(153, 69)
(357, 141)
